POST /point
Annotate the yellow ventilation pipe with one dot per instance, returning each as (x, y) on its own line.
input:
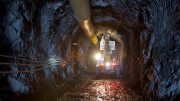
(81, 10)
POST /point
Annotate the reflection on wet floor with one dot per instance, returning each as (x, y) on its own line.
(102, 90)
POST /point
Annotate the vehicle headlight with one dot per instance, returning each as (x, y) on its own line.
(107, 64)
(98, 56)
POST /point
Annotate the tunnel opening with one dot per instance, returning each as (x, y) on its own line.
(125, 34)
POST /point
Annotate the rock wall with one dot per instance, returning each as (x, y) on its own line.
(37, 31)
(160, 47)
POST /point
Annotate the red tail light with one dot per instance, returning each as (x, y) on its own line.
(113, 64)
(101, 64)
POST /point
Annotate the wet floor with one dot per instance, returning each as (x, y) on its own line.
(102, 90)
(86, 88)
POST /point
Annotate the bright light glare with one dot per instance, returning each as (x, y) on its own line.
(98, 56)
(107, 64)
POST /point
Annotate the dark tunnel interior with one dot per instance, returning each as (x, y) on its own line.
(39, 39)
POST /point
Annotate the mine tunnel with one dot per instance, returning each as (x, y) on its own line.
(48, 48)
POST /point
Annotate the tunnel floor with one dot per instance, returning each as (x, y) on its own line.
(89, 88)
(101, 90)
